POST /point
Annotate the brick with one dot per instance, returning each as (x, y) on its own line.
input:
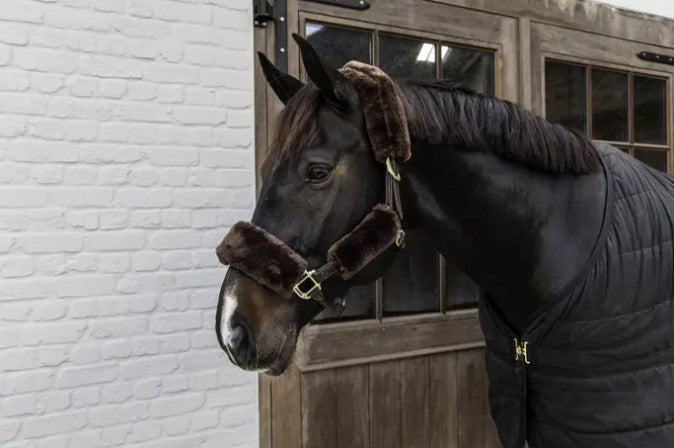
(113, 241)
(201, 115)
(171, 323)
(54, 424)
(166, 407)
(143, 198)
(44, 60)
(115, 328)
(87, 375)
(142, 368)
(147, 388)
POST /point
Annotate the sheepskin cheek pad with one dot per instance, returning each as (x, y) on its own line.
(375, 233)
(263, 257)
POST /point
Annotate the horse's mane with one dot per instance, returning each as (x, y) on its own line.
(441, 112)
(444, 112)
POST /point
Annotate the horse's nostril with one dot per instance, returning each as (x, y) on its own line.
(237, 339)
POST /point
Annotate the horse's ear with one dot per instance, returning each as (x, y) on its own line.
(284, 85)
(324, 76)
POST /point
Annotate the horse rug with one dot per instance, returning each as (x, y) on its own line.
(596, 367)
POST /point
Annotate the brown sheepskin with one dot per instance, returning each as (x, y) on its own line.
(263, 257)
(385, 117)
(366, 242)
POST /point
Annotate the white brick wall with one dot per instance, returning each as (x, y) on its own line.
(126, 133)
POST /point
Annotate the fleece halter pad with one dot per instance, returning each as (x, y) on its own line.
(269, 261)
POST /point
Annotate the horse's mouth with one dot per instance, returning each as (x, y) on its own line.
(273, 363)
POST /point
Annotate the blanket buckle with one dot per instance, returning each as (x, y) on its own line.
(521, 351)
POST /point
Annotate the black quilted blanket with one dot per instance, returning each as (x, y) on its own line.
(601, 370)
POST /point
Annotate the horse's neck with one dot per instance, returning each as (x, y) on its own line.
(521, 235)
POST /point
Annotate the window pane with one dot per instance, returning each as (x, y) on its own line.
(566, 95)
(470, 67)
(650, 113)
(339, 45)
(407, 58)
(609, 105)
(460, 290)
(654, 159)
(411, 283)
(359, 305)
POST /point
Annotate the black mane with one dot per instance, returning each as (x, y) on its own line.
(441, 112)
(444, 112)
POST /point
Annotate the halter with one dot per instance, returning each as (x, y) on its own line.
(268, 260)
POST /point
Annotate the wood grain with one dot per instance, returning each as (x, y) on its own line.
(353, 411)
(385, 405)
(319, 410)
(415, 430)
(470, 366)
(443, 400)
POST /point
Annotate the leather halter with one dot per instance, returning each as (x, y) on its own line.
(270, 262)
(309, 286)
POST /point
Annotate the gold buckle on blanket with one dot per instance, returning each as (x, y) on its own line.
(308, 276)
(521, 351)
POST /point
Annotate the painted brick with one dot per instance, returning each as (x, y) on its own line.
(127, 151)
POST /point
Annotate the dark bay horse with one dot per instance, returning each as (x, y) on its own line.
(522, 206)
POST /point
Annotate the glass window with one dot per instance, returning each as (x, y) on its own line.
(650, 110)
(411, 283)
(653, 158)
(469, 67)
(339, 45)
(407, 58)
(460, 290)
(610, 101)
(566, 95)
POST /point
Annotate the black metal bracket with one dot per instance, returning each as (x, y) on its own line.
(264, 12)
(657, 58)
(360, 5)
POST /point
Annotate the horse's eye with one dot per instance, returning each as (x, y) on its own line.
(318, 173)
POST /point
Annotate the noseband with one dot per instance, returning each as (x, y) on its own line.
(269, 261)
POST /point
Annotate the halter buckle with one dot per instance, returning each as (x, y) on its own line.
(400, 238)
(306, 295)
(392, 169)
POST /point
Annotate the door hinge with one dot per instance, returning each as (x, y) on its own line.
(521, 351)
(361, 5)
(655, 57)
(263, 13)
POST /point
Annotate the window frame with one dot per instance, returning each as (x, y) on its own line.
(630, 144)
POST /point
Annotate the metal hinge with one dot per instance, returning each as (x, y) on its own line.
(655, 57)
(521, 351)
(264, 12)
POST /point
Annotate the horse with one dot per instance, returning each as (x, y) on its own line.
(570, 242)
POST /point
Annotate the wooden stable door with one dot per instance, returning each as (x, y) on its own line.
(403, 365)
(599, 86)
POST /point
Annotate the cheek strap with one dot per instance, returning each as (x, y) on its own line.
(269, 261)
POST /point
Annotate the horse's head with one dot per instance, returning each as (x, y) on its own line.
(320, 180)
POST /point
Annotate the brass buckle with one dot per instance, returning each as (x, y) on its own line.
(392, 169)
(522, 351)
(297, 289)
(400, 238)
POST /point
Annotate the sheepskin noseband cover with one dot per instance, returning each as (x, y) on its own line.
(263, 257)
